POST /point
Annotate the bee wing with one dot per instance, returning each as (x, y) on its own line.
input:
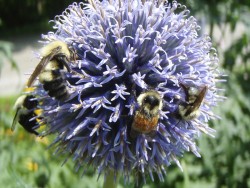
(13, 126)
(44, 61)
(197, 103)
(185, 88)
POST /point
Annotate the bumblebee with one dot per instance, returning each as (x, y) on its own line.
(146, 117)
(25, 113)
(55, 56)
(189, 109)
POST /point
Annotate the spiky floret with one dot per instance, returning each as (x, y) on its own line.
(123, 49)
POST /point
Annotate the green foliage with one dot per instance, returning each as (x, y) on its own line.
(231, 154)
(29, 16)
(19, 13)
(6, 53)
(238, 50)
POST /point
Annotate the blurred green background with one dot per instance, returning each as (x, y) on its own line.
(225, 162)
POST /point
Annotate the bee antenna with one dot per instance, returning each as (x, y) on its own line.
(134, 90)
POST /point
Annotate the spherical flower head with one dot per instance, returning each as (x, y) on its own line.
(123, 49)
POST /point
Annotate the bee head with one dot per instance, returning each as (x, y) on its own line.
(25, 101)
(193, 93)
(30, 102)
(150, 101)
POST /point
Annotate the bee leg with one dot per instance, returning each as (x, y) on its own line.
(74, 55)
(134, 90)
(152, 133)
(133, 133)
(64, 60)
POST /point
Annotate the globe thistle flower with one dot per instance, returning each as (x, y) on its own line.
(124, 49)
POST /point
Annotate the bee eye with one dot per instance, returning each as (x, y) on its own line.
(152, 100)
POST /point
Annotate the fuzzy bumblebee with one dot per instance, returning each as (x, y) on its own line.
(146, 117)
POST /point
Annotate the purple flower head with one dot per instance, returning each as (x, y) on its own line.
(123, 49)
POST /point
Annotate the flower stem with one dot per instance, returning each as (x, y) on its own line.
(139, 183)
(110, 181)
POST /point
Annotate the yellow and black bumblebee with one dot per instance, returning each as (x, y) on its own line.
(25, 106)
(146, 117)
(190, 108)
(55, 57)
